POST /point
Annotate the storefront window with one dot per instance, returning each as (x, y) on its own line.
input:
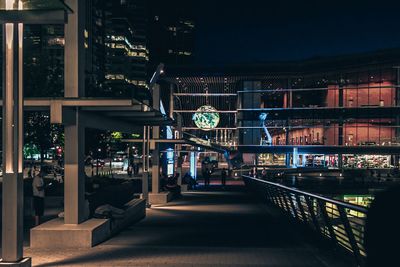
(271, 159)
(367, 161)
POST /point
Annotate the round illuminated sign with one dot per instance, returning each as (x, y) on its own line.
(206, 118)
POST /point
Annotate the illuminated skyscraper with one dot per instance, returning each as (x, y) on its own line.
(126, 54)
(171, 35)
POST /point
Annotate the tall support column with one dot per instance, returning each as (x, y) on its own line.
(12, 214)
(74, 51)
(148, 148)
(145, 174)
(155, 170)
(74, 185)
(74, 87)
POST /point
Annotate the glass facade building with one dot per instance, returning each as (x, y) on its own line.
(333, 112)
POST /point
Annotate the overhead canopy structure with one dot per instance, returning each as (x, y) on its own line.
(107, 114)
(34, 12)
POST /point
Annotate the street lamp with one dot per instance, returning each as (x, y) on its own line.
(13, 14)
(97, 162)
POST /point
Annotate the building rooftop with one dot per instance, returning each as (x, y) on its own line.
(349, 62)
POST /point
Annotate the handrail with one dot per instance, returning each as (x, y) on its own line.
(340, 222)
(334, 201)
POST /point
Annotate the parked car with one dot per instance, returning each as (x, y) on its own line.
(119, 157)
(98, 162)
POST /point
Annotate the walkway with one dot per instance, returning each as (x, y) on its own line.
(202, 229)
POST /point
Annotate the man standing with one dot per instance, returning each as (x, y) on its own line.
(223, 177)
(207, 175)
(38, 197)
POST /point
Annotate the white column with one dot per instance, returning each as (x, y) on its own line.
(145, 173)
(12, 217)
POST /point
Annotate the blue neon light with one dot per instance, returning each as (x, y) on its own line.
(169, 130)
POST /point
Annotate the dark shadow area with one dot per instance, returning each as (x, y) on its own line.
(212, 229)
(382, 231)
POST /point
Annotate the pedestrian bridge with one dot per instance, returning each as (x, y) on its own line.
(211, 227)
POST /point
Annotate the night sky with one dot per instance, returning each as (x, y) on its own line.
(257, 31)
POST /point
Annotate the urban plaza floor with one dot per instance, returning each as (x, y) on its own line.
(207, 227)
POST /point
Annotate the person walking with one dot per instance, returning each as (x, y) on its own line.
(38, 197)
(264, 174)
(207, 178)
(223, 177)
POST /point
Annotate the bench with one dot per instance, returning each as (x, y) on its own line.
(56, 234)
(135, 210)
(160, 198)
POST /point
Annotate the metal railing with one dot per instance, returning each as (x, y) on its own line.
(341, 222)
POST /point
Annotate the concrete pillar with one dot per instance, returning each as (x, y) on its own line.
(148, 148)
(74, 50)
(74, 184)
(12, 211)
(155, 170)
(155, 167)
(145, 173)
(74, 87)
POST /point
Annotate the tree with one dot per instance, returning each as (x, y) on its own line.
(41, 134)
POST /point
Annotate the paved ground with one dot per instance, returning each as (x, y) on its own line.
(202, 229)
